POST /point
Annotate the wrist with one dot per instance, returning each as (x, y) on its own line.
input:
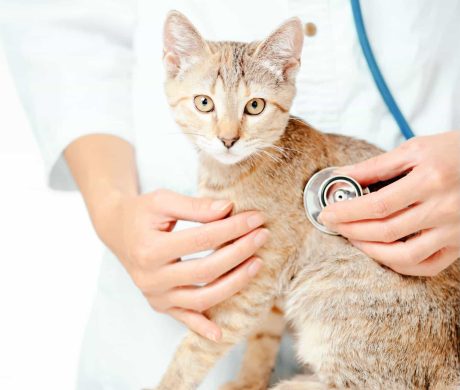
(104, 169)
(107, 215)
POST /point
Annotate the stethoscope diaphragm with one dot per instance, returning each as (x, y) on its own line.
(326, 187)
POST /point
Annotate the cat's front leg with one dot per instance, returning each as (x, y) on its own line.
(260, 356)
(237, 317)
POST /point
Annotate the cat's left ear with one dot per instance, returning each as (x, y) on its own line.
(183, 44)
(280, 53)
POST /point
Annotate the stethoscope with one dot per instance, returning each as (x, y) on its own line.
(326, 187)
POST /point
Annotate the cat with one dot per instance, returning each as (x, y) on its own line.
(357, 324)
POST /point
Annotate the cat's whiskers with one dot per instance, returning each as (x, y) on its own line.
(265, 147)
(285, 148)
(254, 157)
(272, 156)
(281, 149)
(278, 149)
(197, 134)
(185, 132)
(251, 142)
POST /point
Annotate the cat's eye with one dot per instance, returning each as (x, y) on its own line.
(203, 103)
(254, 106)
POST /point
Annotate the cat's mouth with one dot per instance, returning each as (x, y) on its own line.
(228, 156)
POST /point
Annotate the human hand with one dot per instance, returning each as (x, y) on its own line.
(141, 235)
(424, 203)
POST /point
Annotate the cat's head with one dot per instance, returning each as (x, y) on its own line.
(232, 99)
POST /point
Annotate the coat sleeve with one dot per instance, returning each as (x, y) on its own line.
(72, 62)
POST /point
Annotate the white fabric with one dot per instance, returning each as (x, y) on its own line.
(94, 66)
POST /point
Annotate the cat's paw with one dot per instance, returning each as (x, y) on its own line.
(299, 385)
(243, 386)
(155, 388)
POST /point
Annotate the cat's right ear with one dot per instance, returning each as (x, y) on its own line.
(280, 53)
(183, 44)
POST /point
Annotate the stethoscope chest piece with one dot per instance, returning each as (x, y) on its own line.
(326, 187)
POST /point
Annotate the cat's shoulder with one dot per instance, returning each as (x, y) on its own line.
(341, 149)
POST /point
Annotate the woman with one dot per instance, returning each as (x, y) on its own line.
(90, 74)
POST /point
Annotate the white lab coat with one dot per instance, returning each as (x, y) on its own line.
(94, 66)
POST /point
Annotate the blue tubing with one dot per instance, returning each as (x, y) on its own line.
(376, 74)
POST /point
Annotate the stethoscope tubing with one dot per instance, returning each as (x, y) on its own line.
(376, 73)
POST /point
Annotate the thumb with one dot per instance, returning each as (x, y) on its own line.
(187, 208)
(379, 168)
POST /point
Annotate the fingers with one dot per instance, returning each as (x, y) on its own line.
(408, 253)
(197, 322)
(202, 298)
(176, 206)
(379, 204)
(209, 236)
(399, 225)
(210, 268)
(433, 265)
(384, 166)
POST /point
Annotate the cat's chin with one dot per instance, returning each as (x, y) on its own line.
(228, 158)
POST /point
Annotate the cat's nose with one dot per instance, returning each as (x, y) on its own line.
(229, 142)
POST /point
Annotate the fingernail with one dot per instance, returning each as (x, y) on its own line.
(214, 336)
(220, 205)
(357, 244)
(255, 220)
(254, 267)
(261, 237)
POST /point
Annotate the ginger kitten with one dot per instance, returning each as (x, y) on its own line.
(357, 324)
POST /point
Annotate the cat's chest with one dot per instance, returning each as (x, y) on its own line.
(281, 207)
(271, 193)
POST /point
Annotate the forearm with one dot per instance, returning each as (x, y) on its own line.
(104, 169)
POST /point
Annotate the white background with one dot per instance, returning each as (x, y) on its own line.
(49, 261)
